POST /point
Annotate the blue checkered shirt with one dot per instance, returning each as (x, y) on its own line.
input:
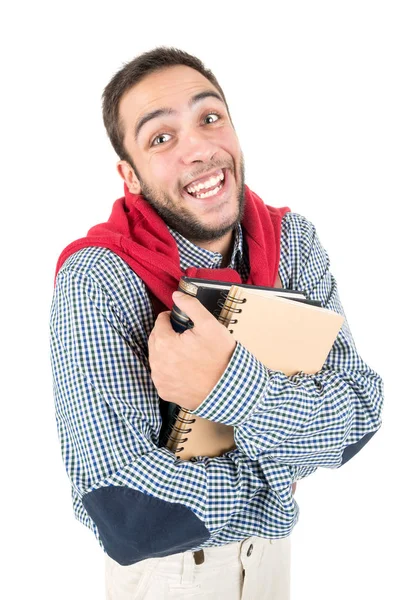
(108, 416)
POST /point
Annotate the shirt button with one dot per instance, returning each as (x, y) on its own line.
(250, 550)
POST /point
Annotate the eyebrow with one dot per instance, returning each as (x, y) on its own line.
(160, 112)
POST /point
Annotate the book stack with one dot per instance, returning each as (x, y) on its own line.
(282, 328)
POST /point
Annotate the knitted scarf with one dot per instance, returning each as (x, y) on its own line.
(137, 234)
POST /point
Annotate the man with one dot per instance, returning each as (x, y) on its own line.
(210, 527)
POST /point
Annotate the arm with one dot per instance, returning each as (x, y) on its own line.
(140, 500)
(305, 420)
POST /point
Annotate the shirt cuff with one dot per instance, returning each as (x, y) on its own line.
(238, 391)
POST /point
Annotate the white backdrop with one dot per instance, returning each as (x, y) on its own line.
(313, 89)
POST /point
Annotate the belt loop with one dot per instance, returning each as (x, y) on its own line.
(187, 568)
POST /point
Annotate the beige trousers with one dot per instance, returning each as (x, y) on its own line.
(255, 569)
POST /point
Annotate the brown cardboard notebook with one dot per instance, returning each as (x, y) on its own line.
(284, 334)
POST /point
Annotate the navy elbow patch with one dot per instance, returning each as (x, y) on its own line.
(352, 450)
(134, 526)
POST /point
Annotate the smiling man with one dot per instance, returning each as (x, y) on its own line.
(209, 527)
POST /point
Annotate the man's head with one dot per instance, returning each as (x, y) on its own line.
(168, 120)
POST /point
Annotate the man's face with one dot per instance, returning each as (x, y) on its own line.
(186, 153)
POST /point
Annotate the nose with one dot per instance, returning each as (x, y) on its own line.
(197, 147)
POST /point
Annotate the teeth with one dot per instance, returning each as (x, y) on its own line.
(208, 194)
(207, 184)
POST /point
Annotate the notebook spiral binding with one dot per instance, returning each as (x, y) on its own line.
(225, 296)
(231, 310)
(180, 419)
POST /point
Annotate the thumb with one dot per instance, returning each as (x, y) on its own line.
(193, 308)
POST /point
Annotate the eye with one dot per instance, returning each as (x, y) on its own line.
(213, 117)
(156, 141)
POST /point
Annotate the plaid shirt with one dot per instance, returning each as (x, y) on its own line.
(108, 415)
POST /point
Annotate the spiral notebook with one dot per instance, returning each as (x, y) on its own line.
(283, 333)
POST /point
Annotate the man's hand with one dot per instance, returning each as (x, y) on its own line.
(186, 366)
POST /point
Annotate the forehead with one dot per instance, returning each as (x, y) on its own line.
(171, 87)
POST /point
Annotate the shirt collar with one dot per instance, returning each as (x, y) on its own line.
(192, 255)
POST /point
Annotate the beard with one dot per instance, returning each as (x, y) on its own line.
(184, 221)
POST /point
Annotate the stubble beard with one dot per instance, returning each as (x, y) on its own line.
(184, 221)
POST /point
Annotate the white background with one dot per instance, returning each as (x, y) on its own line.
(313, 89)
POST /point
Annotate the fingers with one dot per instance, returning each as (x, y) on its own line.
(163, 320)
(162, 328)
(193, 308)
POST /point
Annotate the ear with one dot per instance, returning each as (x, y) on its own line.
(128, 175)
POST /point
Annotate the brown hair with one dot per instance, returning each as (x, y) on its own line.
(133, 72)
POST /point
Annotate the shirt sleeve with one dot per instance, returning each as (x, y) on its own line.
(302, 421)
(140, 500)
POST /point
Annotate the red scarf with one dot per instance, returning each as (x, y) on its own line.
(140, 237)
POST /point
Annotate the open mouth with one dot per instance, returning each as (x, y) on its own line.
(207, 187)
